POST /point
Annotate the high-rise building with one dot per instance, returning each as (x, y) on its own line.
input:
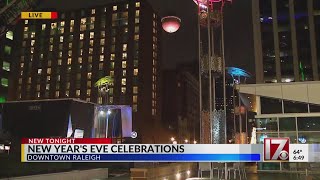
(6, 46)
(286, 40)
(180, 111)
(63, 58)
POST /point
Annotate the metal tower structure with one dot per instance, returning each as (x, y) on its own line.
(211, 65)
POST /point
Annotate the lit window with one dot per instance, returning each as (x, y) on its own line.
(90, 50)
(91, 42)
(89, 75)
(101, 57)
(136, 37)
(68, 85)
(123, 81)
(136, 29)
(102, 41)
(69, 53)
(32, 42)
(90, 59)
(99, 100)
(100, 66)
(69, 61)
(136, 20)
(67, 93)
(62, 23)
(135, 72)
(135, 99)
(4, 82)
(112, 57)
(124, 47)
(110, 91)
(89, 84)
(112, 65)
(6, 66)
(153, 112)
(124, 55)
(59, 61)
(77, 92)
(25, 29)
(53, 25)
(60, 54)
(88, 92)
(71, 28)
(88, 99)
(125, 30)
(29, 80)
(124, 64)
(135, 108)
(124, 73)
(21, 65)
(70, 45)
(115, 8)
(83, 20)
(32, 50)
(137, 4)
(135, 90)
(39, 71)
(127, 6)
(80, 60)
(9, 35)
(102, 50)
(72, 22)
(25, 21)
(103, 34)
(113, 40)
(81, 36)
(49, 71)
(93, 11)
(57, 94)
(123, 90)
(137, 13)
(58, 78)
(7, 50)
(105, 9)
(91, 35)
(112, 73)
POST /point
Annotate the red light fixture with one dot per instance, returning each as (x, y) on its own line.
(171, 24)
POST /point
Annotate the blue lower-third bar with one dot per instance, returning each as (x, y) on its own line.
(145, 157)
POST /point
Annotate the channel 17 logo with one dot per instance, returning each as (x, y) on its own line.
(276, 149)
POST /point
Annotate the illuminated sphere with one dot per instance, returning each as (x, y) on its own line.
(171, 24)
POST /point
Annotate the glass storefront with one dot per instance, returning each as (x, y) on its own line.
(302, 130)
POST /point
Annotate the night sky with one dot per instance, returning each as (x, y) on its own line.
(181, 46)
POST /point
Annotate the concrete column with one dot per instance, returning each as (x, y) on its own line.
(276, 39)
(315, 73)
(257, 41)
(294, 41)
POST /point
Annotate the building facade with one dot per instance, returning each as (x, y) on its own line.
(6, 46)
(181, 105)
(289, 110)
(65, 57)
(286, 40)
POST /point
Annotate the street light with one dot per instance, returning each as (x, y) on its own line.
(194, 142)
(172, 139)
(186, 140)
(109, 112)
(171, 24)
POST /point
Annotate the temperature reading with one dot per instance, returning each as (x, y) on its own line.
(297, 151)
